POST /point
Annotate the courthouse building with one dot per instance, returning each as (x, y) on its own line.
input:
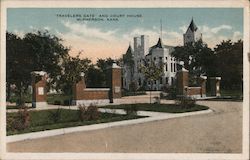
(159, 54)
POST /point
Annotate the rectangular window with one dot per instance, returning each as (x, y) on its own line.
(166, 66)
(166, 80)
(172, 80)
(161, 80)
(160, 58)
(171, 67)
(174, 66)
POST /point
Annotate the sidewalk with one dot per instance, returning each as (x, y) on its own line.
(217, 132)
(152, 116)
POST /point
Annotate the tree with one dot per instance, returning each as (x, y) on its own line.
(197, 58)
(229, 63)
(95, 77)
(36, 51)
(47, 54)
(72, 68)
(152, 72)
(103, 65)
(18, 65)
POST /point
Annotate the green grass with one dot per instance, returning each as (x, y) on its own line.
(168, 108)
(52, 98)
(27, 98)
(137, 93)
(40, 120)
(15, 107)
(233, 93)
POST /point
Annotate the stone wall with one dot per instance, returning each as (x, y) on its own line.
(183, 88)
(194, 91)
(86, 96)
(80, 92)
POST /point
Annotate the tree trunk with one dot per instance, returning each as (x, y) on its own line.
(8, 92)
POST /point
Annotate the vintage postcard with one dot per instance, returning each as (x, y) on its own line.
(125, 79)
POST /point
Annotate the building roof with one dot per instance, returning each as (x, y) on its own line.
(129, 50)
(192, 26)
(159, 45)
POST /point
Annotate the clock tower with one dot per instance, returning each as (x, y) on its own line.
(192, 34)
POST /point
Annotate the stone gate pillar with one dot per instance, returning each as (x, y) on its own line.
(182, 81)
(39, 92)
(78, 89)
(215, 86)
(115, 82)
(202, 83)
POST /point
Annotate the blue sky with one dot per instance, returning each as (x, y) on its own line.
(111, 38)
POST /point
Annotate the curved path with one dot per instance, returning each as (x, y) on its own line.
(217, 132)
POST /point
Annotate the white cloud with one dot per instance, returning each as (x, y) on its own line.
(221, 27)
(95, 42)
(47, 28)
(19, 33)
(98, 43)
(237, 35)
(183, 28)
(212, 35)
(89, 32)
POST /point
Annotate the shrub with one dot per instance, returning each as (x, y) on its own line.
(186, 102)
(133, 87)
(10, 123)
(93, 112)
(20, 121)
(67, 102)
(82, 112)
(88, 113)
(56, 102)
(20, 102)
(131, 110)
(55, 116)
(171, 92)
(157, 100)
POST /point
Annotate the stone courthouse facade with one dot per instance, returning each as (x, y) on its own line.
(158, 53)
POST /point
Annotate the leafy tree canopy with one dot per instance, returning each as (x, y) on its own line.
(229, 63)
(34, 52)
(197, 58)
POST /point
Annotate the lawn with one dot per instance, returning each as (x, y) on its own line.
(15, 107)
(137, 93)
(43, 120)
(228, 95)
(168, 108)
(58, 99)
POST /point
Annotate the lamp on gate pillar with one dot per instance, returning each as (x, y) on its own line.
(215, 86)
(182, 80)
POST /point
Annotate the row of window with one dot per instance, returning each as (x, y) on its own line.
(173, 67)
(161, 80)
(155, 82)
(160, 58)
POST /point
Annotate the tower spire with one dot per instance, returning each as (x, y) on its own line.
(161, 29)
